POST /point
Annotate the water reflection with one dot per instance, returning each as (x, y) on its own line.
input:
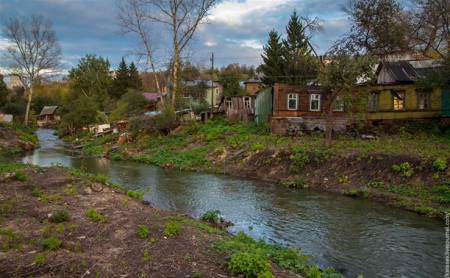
(354, 236)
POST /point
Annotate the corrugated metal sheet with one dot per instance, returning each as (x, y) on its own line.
(48, 110)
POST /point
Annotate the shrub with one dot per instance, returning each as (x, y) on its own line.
(405, 168)
(95, 216)
(40, 259)
(249, 264)
(50, 243)
(440, 164)
(60, 215)
(142, 231)
(343, 179)
(375, 184)
(172, 228)
(21, 176)
(212, 216)
(297, 183)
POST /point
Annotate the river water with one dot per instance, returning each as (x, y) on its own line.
(354, 236)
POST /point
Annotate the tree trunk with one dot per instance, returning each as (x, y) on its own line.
(27, 110)
(175, 78)
(329, 127)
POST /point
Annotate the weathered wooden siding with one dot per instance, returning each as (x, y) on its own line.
(238, 110)
(411, 106)
(263, 105)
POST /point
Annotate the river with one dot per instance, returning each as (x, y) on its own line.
(354, 236)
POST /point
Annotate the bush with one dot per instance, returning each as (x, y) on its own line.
(60, 216)
(212, 216)
(50, 243)
(95, 216)
(249, 264)
(172, 229)
(375, 184)
(142, 231)
(440, 164)
(20, 176)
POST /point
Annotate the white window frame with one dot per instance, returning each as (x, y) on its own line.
(315, 98)
(229, 103)
(292, 97)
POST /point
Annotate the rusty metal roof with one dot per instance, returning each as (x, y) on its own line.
(409, 70)
(48, 110)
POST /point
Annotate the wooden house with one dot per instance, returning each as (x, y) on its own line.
(253, 85)
(396, 96)
(294, 108)
(239, 107)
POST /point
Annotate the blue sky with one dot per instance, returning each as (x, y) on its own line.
(236, 33)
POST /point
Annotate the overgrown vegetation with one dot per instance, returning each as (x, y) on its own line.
(250, 258)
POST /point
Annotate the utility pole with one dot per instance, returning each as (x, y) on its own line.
(212, 84)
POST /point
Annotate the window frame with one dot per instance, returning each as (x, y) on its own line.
(339, 105)
(289, 98)
(318, 100)
(420, 97)
(247, 102)
(373, 102)
(398, 103)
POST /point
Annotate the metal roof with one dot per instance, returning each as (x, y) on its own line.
(48, 110)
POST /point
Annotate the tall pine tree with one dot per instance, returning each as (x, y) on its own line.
(273, 61)
(299, 63)
(121, 81)
(135, 78)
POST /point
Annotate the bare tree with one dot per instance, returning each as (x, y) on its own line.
(133, 17)
(182, 17)
(34, 50)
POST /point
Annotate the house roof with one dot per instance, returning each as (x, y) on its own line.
(408, 71)
(208, 83)
(255, 79)
(48, 110)
(151, 96)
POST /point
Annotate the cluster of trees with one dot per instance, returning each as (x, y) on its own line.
(291, 60)
(96, 92)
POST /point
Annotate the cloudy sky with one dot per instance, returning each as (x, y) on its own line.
(236, 32)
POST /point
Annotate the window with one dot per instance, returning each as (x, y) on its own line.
(229, 103)
(372, 102)
(292, 101)
(423, 100)
(314, 102)
(247, 103)
(339, 105)
(398, 100)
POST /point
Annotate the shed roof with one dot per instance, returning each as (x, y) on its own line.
(408, 71)
(151, 96)
(48, 110)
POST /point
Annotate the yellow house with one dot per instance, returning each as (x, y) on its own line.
(397, 97)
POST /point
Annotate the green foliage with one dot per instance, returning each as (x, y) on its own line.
(11, 167)
(138, 194)
(60, 215)
(142, 231)
(21, 176)
(440, 163)
(38, 193)
(50, 243)
(230, 78)
(166, 120)
(442, 193)
(40, 259)
(145, 257)
(10, 240)
(95, 216)
(210, 215)
(249, 264)
(172, 228)
(343, 179)
(256, 147)
(375, 184)
(297, 183)
(300, 157)
(405, 169)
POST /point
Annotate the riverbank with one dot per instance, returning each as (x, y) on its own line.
(406, 169)
(62, 222)
(16, 139)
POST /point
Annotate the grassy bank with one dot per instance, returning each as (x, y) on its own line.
(73, 224)
(408, 168)
(15, 139)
